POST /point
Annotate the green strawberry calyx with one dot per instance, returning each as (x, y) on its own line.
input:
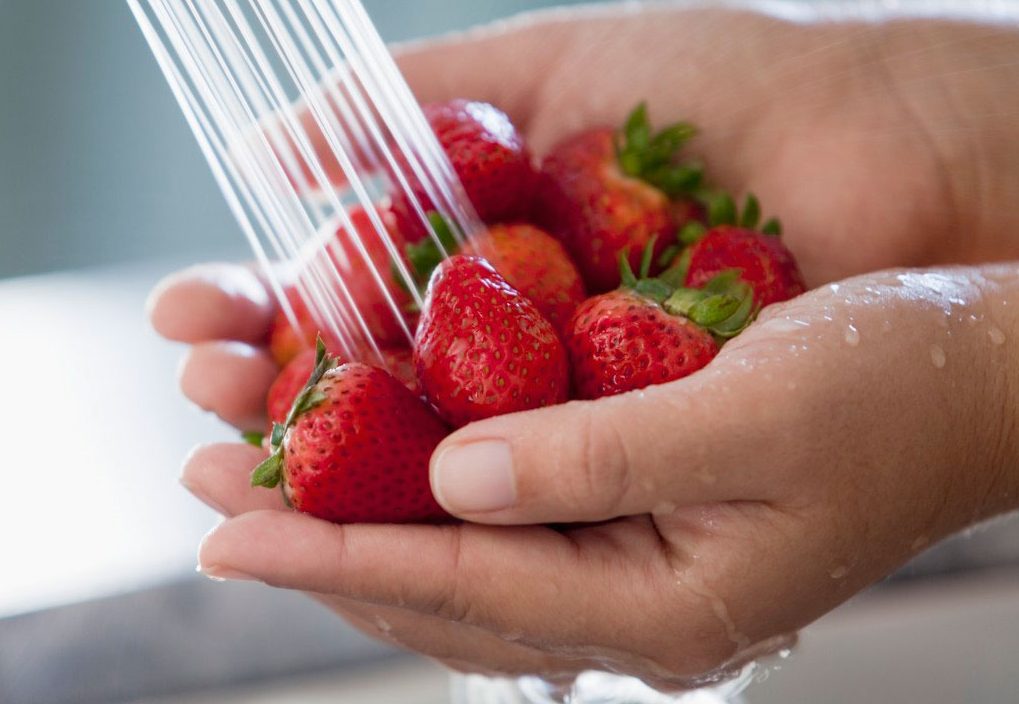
(722, 210)
(427, 254)
(269, 472)
(651, 156)
(724, 306)
(253, 437)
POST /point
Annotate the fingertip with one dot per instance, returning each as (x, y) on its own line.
(209, 464)
(230, 379)
(211, 301)
(475, 477)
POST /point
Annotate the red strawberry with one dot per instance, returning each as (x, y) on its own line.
(535, 263)
(735, 243)
(482, 348)
(532, 261)
(489, 156)
(355, 448)
(289, 382)
(650, 333)
(399, 361)
(293, 377)
(762, 260)
(286, 342)
(604, 193)
(369, 298)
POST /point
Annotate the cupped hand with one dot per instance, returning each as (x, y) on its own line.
(835, 438)
(841, 434)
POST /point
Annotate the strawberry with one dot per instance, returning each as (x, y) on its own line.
(650, 333)
(604, 192)
(531, 260)
(288, 384)
(293, 377)
(536, 264)
(355, 448)
(489, 156)
(286, 342)
(370, 300)
(735, 243)
(482, 348)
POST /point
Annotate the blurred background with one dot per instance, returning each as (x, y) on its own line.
(102, 191)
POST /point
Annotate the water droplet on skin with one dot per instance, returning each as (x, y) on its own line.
(383, 625)
(886, 326)
(920, 543)
(783, 325)
(852, 336)
(663, 509)
(718, 607)
(834, 288)
(996, 335)
(785, 653)
(972, 319)
(839, 572)
(938, 356)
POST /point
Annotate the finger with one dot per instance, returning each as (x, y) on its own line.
(462, 648)
(531, 582)
(211, 302)
(219, 475)
(457, 66)
(689, 442)
(231, 379)
(463, 65)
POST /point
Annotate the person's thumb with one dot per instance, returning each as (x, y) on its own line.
(645, 452)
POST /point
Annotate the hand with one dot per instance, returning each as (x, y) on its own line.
(765, 479)
(841, 434)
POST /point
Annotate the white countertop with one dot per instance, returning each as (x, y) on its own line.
(952, 642)
(95, 433)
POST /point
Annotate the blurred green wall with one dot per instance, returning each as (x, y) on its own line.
(96, 162)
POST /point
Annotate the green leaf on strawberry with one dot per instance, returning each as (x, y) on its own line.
(270, 471)
(651, 156)
(724, 305)
(722, 210)
(425, 255)
(253, 437)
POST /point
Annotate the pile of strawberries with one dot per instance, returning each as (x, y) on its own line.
(613, 267)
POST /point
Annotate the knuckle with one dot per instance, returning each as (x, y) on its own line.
(451, 601)
(602, 468)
